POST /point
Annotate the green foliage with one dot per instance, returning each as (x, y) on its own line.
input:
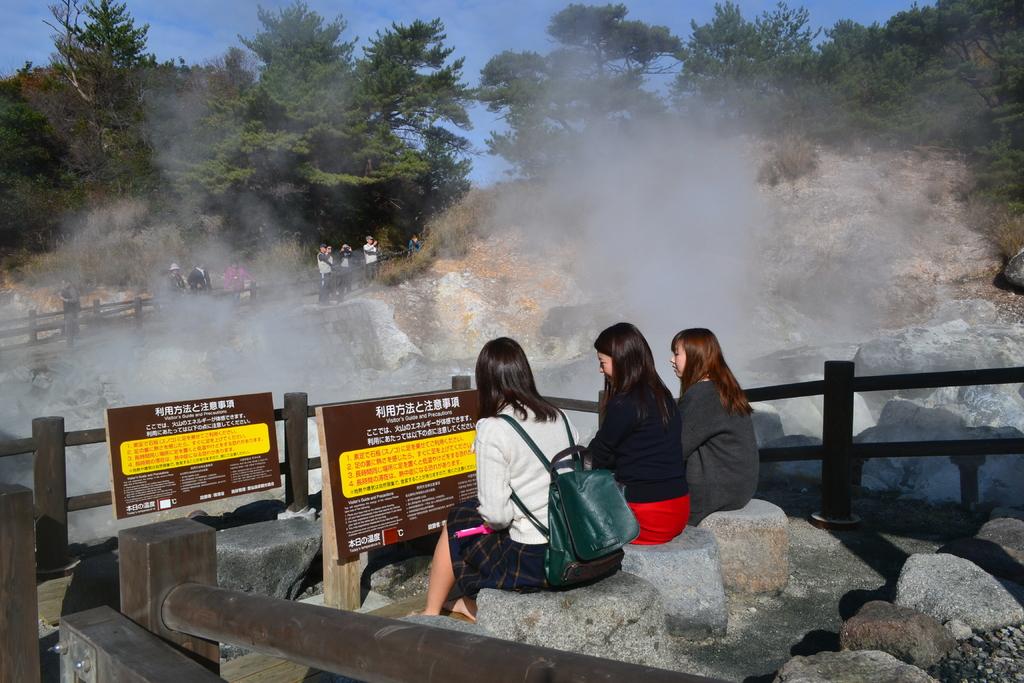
(594, 78)
(111, 31)
(343, 145)
(292, 135)
(749, 69)
(31, 174)
(949, 74)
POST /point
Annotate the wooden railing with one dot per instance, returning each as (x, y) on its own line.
(66, 322)
(170, 604)
(837, 451)
(191, 625)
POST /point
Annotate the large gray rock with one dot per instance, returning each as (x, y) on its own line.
(1014, 270)
(1006, 513)
(955, 345)
(903, 420)
(998, 548)
(935, 479)
(620, 617)
(363, 326)
(971, 311)
(995, 559)
(403, 578)
(989, 406)
(851, 666)
(687, 572)
(753, 546)
(269, 558)
(949, 587)
(767, 424)
(1007, 532)
(908, 635)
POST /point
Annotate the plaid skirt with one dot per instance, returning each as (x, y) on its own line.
(492, 560)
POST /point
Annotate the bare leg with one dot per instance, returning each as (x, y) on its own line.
(442, 577)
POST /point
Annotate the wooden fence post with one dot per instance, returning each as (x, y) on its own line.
(51, 492)
(71, 321)
(19, 634)
(138, 311)
(837, 437)
(461, 382)
(154, 559)
(968, 466)
(33, 333)
(296, 450)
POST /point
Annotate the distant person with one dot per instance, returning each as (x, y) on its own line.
(639, 435)
(323, 265)
(371, 250)
(718, 440)
(345, 270)
(69, 296)
(414, 244)
(175, 282)
(234, 279)
(512, 557)
(198, 280)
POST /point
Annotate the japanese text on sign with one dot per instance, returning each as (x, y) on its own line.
(400, 408)
(370, 470)
(193, 448)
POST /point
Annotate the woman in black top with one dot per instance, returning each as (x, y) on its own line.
(718, 433)
(639, 437)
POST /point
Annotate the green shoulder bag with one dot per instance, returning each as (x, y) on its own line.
(588, 518)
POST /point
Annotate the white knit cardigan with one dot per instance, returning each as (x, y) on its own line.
(504, 462)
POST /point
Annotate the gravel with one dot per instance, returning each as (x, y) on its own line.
(991, 657)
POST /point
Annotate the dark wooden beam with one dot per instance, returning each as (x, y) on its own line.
(156, 558)
(19, 632)
(102, 645)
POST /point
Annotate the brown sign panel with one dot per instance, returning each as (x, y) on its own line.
(395, 466)
(168, 455)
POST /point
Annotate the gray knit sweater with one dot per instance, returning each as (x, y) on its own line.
(720, 452)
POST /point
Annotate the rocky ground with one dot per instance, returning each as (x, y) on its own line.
(832, 574)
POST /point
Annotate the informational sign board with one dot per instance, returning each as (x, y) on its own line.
(395, 466)
(168, 455)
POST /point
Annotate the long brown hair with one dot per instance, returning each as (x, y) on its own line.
(504, 378)
(632, 368)
(704, 359)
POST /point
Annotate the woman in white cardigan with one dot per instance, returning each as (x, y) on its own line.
(510, 555)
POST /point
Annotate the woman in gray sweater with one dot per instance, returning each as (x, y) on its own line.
(719, 447)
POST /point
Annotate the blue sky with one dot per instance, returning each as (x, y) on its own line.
(199, 30)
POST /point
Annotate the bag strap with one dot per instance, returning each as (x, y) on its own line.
(530, 442)
(516, 500)
(530, 516)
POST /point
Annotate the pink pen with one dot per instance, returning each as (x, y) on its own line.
(474, 531)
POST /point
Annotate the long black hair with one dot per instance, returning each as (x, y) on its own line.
(504, 378)
(633, 370)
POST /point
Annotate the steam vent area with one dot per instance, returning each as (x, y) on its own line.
(494, 342)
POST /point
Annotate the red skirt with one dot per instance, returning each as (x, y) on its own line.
(662, 521)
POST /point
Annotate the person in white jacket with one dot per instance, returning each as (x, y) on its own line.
(510, 555)
(371, 251)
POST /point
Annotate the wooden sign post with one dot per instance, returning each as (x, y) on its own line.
(393, 467)
(165, 456)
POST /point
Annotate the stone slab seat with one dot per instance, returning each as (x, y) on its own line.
(620, 617)
(753, 543)
(687, 573)
(269, 558)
